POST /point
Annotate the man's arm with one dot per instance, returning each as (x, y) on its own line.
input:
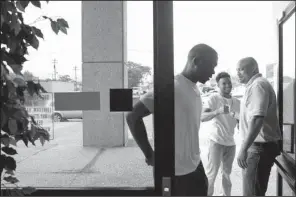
(210, 110)
(254, 127)
(258, 104)
(137, 127)
(257, 107)
(208, 114)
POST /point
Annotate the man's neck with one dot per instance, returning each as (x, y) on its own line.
(225, 95)
(252, 78)
(188, 76)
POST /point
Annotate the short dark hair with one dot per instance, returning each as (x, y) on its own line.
(201, 51)
(222, 75)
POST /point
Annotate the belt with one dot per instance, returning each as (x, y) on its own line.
(264, 144)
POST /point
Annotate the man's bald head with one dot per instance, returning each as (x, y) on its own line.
(201, 61)
(246, 69)
(250, 63)
(202, 51)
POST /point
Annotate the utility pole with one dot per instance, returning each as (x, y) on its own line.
(75, 72)
(54, 69)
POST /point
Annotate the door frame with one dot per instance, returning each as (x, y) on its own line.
(283, 162)
(163, 118)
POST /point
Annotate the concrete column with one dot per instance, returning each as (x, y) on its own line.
(103, 57)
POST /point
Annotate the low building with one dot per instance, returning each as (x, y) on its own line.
(58, 86)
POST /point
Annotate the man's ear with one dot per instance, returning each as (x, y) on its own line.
(197, 61)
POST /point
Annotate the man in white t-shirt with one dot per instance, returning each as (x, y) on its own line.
(223, 111)
(190, 178)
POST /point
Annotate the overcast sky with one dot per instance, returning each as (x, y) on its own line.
(234, 29)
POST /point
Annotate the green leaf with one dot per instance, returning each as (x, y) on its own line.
(5, 140)
(6, 57)
(34, 42)
(17, 192)
(19, 114)
(12, 126)
(4, 70)
(9, 172)
(12, 45)
(25, 140)
(63, 29)
(9, 163)
(36, 3)
(18, 137)
(42, 140)
(28, 190)
(12, 141)
(4, 117)
(17, 58)
(31, 88)
(24, 3)
(33, 130)
(15, 24)
(37, 32)
(2, 20)
(11, 179)
(33, 121)
(10, 7)
(17, 68)
(19, 6)
(20, 81)
(9, 150)
(41, 134)
(11, 90)
(31, 138)
(55, 26)
(63, 23)
(20, 15)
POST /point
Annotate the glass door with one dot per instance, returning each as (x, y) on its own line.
(96, 66)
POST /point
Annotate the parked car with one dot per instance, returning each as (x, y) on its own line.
(59, 116)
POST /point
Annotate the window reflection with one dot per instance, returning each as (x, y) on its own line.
(289, 86)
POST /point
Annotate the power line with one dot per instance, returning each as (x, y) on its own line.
(54, 69)
(75, 73)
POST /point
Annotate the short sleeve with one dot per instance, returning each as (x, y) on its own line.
(148, 100)
(258, 100)
(236, 106)
(210, 103)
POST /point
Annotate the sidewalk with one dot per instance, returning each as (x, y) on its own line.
(64, 162)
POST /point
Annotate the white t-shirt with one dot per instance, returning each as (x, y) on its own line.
(188, 108)
(222, 128)
(260, 100)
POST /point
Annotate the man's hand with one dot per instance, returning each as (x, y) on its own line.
(242, 159)
(223, 110)
(150, 160)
